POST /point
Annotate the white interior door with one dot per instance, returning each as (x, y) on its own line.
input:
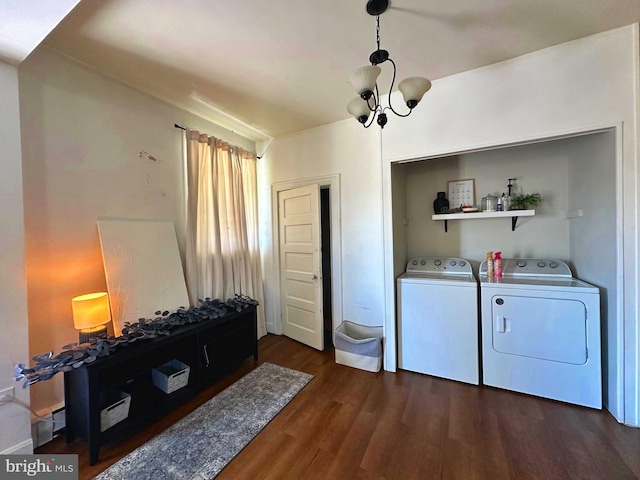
(300, 271)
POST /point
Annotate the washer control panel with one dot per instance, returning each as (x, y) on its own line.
(531, 267)
(439, 264)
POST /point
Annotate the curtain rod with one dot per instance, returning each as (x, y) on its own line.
(182, 128)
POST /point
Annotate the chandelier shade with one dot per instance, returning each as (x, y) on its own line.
(364, 81)
(413, 89)
(359, 109)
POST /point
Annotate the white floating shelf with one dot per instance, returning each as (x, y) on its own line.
(513, 214)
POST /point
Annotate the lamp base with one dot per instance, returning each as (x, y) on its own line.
(86, 334)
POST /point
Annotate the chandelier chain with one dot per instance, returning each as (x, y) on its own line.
(378, 31)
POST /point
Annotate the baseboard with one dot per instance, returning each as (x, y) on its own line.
(22, 448)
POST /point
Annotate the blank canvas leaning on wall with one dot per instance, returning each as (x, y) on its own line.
(143, 268)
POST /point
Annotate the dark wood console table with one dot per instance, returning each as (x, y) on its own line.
(210, 348)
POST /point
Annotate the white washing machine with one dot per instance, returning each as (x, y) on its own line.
(541, 332)
(438, 319)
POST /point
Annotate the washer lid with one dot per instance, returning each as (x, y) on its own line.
(439, 278)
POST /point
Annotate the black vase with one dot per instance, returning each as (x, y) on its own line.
(441, 204)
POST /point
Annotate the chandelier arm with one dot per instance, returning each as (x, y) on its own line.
(393, 79)
(377, 108)
(376, 101)
(391, 89)
(376, 98)
(398, 114)
(373, 117)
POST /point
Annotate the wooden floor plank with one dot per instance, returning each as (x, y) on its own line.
(380, 451)
(352, 424)
(349, 458)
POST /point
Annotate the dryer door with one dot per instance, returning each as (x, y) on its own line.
(544, 328)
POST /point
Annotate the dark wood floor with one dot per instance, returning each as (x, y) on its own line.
(351, 424)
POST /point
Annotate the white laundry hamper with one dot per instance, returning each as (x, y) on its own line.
(359, 346)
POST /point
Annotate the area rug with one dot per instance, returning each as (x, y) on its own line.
(202, 443)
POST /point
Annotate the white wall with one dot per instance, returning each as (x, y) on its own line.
(345, 149)
(540, 167)
(594, 242)
(15, 430)
(401, 220)
(580, 86)
(82, 138)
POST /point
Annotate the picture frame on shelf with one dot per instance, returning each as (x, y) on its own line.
(461, 192)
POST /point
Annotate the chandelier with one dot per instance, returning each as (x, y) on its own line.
(364, 81)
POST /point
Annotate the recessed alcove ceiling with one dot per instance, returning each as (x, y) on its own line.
(268, 69)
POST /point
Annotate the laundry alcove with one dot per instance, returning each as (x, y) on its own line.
(576, 221)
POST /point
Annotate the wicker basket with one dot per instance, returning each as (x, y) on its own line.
(171, 376)
(116, 412)
(359, 346)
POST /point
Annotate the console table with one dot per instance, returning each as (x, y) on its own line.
(210, 348)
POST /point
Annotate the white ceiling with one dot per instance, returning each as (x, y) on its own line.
(24, 24)
(270, 68)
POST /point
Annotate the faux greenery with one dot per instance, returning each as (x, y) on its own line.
(75, 355)
(523, 202)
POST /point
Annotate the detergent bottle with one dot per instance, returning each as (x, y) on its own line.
(497, 264)
(489, 264)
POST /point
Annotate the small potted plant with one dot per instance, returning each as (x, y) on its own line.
(525, 202)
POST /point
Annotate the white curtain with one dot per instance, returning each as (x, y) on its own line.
(222, 252)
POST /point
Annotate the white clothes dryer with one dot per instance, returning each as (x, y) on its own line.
(541, 332)
(438, 319)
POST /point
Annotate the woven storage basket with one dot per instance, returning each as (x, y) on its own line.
(171, 376)
(359, 346)
(116, 412)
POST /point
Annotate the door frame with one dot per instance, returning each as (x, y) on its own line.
(333, 183)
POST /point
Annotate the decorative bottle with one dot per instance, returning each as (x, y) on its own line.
(489, 261)
(441, 204)
(506, 202)
(497, 264)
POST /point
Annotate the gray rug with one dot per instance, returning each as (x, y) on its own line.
(202, 443)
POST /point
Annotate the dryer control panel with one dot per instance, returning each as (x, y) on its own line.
(531, 267)
(449, 265)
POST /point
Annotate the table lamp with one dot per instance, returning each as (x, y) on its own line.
(90, 313)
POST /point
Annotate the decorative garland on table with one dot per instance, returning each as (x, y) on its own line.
(75, 355)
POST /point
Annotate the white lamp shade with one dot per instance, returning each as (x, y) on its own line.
(364, 79)
(90, 310)
(413, 88)
(358, 108)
